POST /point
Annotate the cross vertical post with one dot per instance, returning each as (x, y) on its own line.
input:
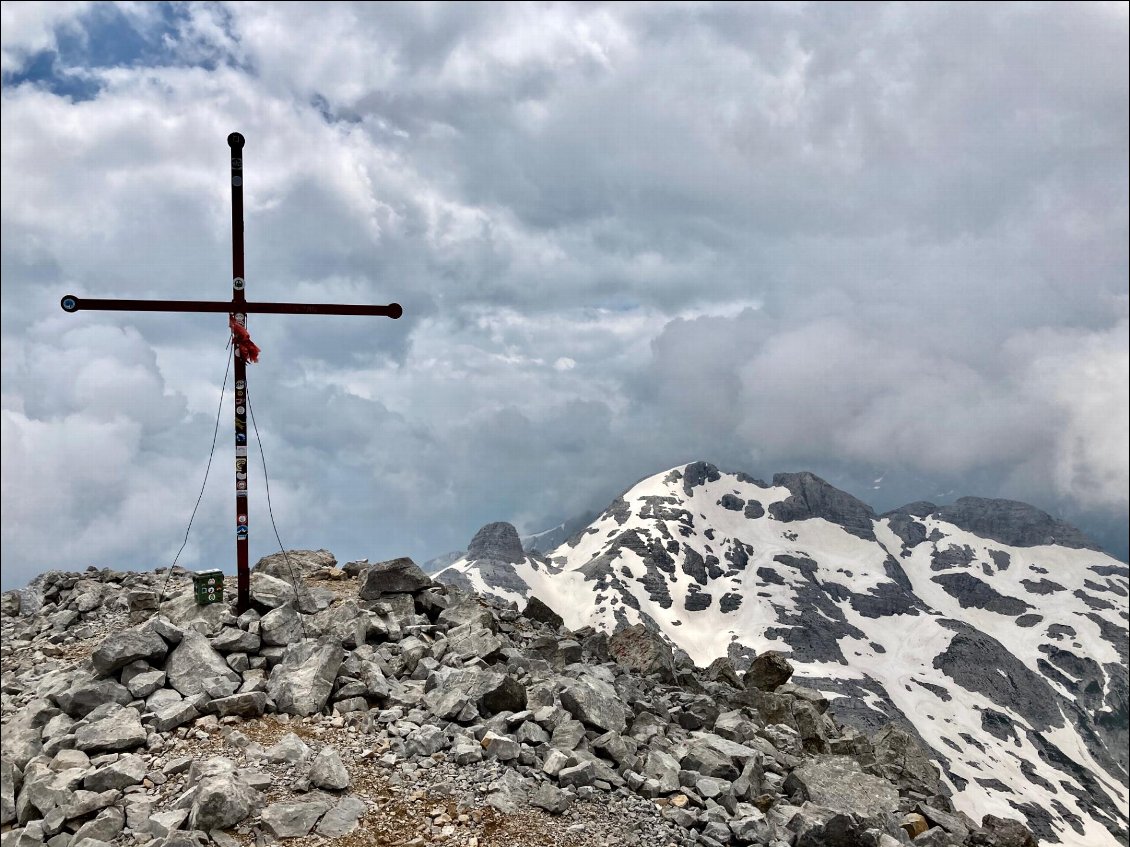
(237, 309)
(238, 298)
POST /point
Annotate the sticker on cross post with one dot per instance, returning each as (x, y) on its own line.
(240, 428)
(241, 533)
(241, 410)
(240, 492)
(240, 385)
(241, 485)
(241, 438)
(237, 283)
(241, 451)
(241, 519)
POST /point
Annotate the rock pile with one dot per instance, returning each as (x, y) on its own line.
(371, 703)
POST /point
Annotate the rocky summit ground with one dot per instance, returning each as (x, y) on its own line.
(368, 705)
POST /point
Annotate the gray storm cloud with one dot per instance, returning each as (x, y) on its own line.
(875, 241)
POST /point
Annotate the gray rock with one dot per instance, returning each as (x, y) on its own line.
(281, 626)
(119, 729)
(704, 759)
(235, 640)
(949, 822)
(425, 741)
(121, 773)
(594, 702)
(302, 682)
(901, 759)
(104, 828)
(118, 650)
(183, 613)
(552, 799)
(295, 564)
(290, 748)
(768, 671)
(21, 739)
(344, 621)
(467, 609)
(500, 747)
(711, 788)
(327, 770)
(164, 823)
(293, 820)
(143, 684)
(167, 718)
(271, 592)
(639, 649)
(580, 774)
(10, 781)
(247, 705)
(222, 797)
(567, 734)
(838, 783)
(81, 803)
(448, 692)
(752, 828)
(473, 642)
(664, 768)
(1008, 832)
(86, 694)
(194, 667)
(392, 577)
(342, 819)
(536, 610)
(465, 751)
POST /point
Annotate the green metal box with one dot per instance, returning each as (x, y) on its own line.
(208, 586)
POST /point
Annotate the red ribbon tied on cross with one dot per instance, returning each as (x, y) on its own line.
(245, 347)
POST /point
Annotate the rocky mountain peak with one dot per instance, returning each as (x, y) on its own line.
(1012, 522)
(812, 497)
(498, 541)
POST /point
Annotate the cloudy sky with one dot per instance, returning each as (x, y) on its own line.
(885, 243)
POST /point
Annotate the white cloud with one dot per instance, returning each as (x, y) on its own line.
(30, 27)
(624, 236)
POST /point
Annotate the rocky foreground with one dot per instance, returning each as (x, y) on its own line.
(372, 706)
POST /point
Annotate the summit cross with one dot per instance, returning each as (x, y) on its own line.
(238, 308)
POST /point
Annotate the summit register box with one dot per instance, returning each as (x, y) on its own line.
(208, 586)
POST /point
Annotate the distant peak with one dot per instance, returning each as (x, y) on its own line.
(1012, 522)
(498, 541)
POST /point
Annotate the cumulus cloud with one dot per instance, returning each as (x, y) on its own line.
(870, 241)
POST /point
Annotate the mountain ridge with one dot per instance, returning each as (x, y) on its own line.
(712, 559)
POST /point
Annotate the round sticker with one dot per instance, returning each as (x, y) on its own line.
(237, 283)
(237, 181)
(242, 519)
(239, 410)
(240, 384)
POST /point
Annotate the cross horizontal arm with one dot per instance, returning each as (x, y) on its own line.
(70, 303)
